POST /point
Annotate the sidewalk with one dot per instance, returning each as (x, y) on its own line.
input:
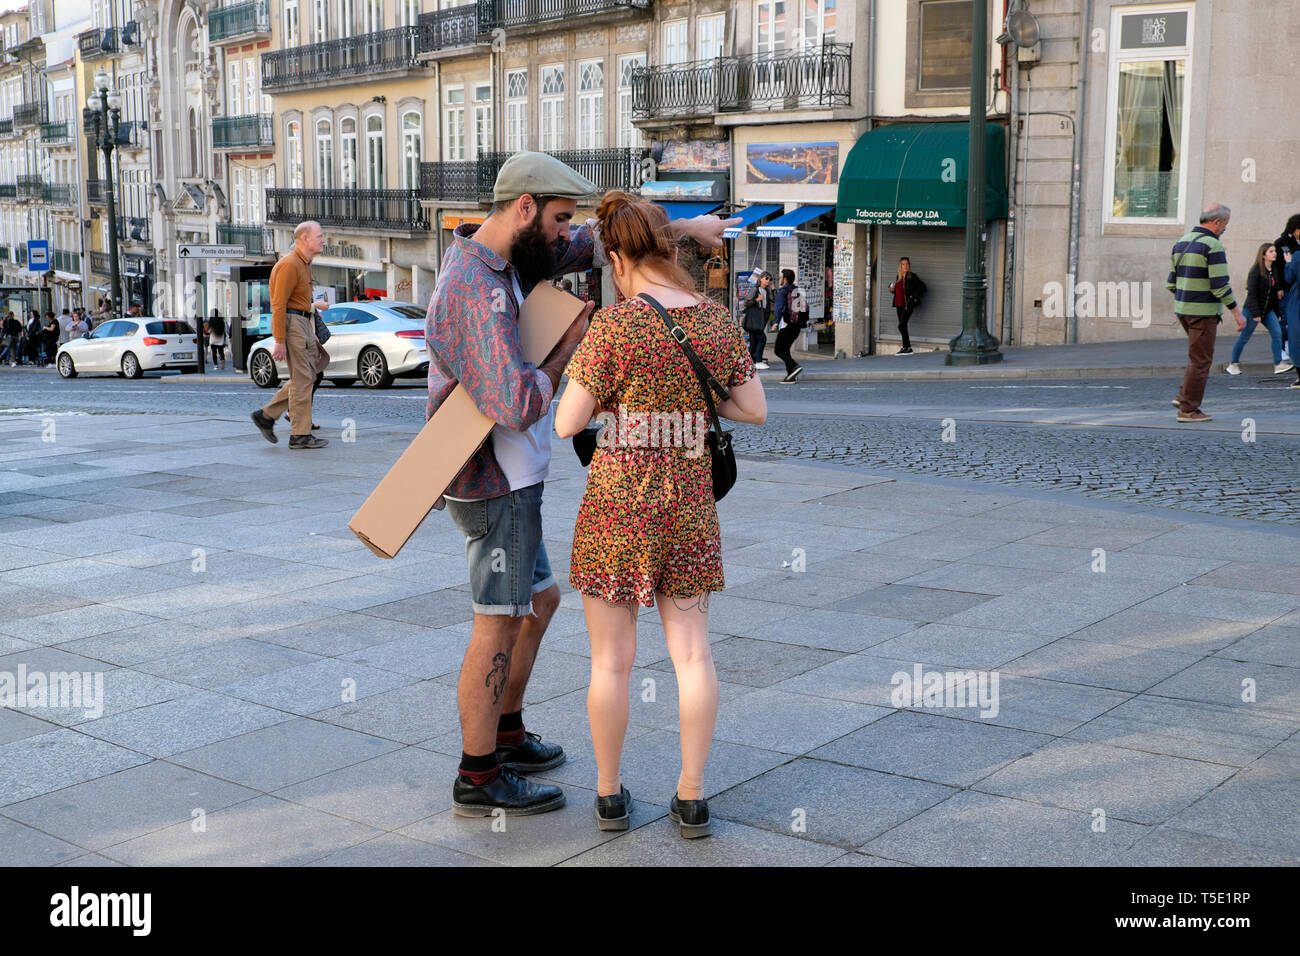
(276, 694)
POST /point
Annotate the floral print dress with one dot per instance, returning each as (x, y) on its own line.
(647, 522)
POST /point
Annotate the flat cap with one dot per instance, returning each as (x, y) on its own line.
(539, 174)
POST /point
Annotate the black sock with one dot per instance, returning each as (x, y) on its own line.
(512, 721)
(479, 770)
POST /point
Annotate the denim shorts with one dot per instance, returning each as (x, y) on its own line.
(503, 544)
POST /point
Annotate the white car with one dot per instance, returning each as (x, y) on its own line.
(370, 342)
(131, 347)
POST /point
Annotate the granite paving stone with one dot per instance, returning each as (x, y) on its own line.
(790, 723)
(1117, 666)
(1161, 631)
(921, 605)
(1256, 808)
(225, 662)
(318, 685)
(731, 844)
(832, 630)
(950, 645)
(24, 846)
(409, 714)
(161, 730)
(426, 653)
(392, 849)
(1248, 684)
(41, 763)
(740, 660)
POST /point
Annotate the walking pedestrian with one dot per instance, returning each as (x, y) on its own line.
(49, 338)
(791, 314)
(216, 332)
(1288, 245)
(33, 339)
(1261, 307)
(758, 303)
(473, 337)
(1198, 278)
(908, 289)
(295, 339)
(11, 331)
(647, 529)
(77, 328)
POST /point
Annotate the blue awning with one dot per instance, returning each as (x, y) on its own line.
(688, 210)
(748, 215)
(787, 224)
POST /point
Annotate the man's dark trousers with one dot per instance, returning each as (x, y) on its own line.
(1201, 332)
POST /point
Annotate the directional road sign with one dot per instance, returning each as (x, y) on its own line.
(193, 251)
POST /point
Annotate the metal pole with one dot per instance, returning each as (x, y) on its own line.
(106, 144)
(974, 345)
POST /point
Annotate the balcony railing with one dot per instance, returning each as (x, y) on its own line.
(6, 126)
(30, 186)
(65, 261)
(238, 131)
(226, 23)
(130, 133)
(256, 240)
(8, 191)
(524, 13)
(29, 114)
(55, 134)
(390, 210)
(99, 263)
(96, 43)
(97, 191)
(615, 168)
(4, 254)
(133, 228)
(59, 194)
(448, 29)
(369, 53)
(817, 77)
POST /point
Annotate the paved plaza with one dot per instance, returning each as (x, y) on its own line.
(276, 694)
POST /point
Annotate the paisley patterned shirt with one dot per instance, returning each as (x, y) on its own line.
(472, 328)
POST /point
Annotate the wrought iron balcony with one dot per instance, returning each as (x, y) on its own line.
(518, 14)
(802, 79)
(30, 186)
(6, 126)
(99, 263)
(64, 261)
(448, 29)
(232, 132)
(368, 54)
(242, 19)
(615, 168)
(8, 191)
(98, 42)
(59, 194)
(97, 191)
(130, 134)
(29, 114)
(4, 254)
(383, 210)
(256, 240)
(133, 228)
(56, 134)
(453, 182)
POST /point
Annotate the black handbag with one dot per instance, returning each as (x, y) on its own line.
(322, 330)
(584, 444)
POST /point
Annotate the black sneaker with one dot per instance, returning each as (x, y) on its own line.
(531, 756)
(508, 792)
(692, 816)
(266, 425)
(613, 813)
(904, 351)
(307, 441)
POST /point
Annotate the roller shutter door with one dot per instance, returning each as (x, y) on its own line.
(939, 257)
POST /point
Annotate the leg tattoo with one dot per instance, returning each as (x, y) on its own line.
(501, 673)
(698, 603)
(629, 607)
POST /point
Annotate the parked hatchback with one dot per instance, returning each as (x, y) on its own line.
(370, 342)
(131, 347)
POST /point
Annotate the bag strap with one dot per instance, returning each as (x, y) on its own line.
(708, 383)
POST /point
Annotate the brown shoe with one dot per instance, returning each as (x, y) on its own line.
(1196, 416)
(1176, 403)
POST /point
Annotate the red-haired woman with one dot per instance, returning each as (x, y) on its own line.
(647, 530)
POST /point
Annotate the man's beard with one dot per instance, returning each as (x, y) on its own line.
(530, 253)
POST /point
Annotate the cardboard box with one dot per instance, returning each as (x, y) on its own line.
(449, 439)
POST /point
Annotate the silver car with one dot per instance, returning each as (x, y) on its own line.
(370, 342)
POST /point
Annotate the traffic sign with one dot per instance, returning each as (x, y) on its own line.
(192, 251)
(38, 255)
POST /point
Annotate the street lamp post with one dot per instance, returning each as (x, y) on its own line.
(107, 106)
(974, 345)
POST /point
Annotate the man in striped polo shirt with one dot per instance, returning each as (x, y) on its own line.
(1199, 281)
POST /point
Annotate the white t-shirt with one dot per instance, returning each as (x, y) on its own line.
(524, 457)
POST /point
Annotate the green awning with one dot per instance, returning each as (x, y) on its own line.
(915, 174)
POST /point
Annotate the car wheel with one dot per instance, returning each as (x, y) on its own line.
(66, 368)
(131, 366)
(373, 369)
(262, 370)
(343, 382)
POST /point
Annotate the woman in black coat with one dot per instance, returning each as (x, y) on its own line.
(758, 303)
(1262, 296)
(908, 289)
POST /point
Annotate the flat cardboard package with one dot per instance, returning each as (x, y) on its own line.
(406, 495)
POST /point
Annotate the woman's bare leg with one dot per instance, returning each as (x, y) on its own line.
(686, 626)
(612, 629)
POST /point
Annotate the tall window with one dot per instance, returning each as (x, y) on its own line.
(321, 21)
(291, 31)
(591, 104)
(252, 83)
(374, 12)
(1146, 115)
(348, 151)
(194, 141)
(676, 42)
(628, 135)
(255, 197)
(710, 35)
(347, 17)
(516, 111)
(769, 26)
(412, 150)
(293, 155)
(482, 119)
(818, 22)
(324, 154)
(232, 91)
(453, 137)
(374, 152)
(945, 27)
(237, 194)
(552, 105)
(408, 12)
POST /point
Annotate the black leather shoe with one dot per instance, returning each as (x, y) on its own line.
(531, 756)
(266, 425)
(613, 812)
(692, 816)
(508, 792)
(307, 441)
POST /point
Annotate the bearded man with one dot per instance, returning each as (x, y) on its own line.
(473, 336)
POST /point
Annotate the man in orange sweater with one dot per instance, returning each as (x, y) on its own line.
(294, 330)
